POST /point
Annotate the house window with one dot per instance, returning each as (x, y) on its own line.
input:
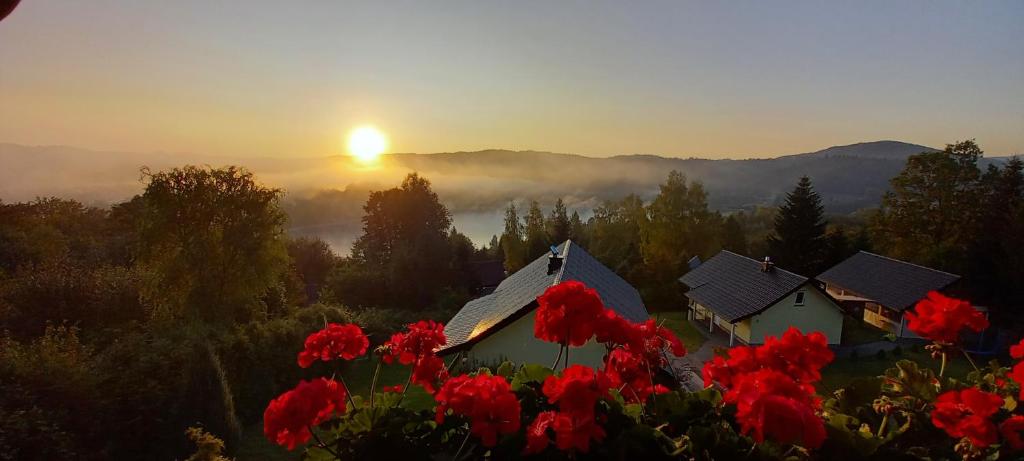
(799, 299)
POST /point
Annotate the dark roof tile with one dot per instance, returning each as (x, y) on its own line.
(735, 287)
(893, 283)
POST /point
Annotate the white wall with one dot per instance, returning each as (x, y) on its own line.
(516, 343)
(818, 313)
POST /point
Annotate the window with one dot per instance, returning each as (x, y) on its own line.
(799, 299)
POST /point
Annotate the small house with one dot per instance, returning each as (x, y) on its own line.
(750, 300)
(880, 289)
(499, 326)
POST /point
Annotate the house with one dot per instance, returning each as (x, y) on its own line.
(882, 288)
(750, 300)
(499, 326)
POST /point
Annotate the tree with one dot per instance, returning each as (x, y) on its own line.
(931, 214)
(577, 230)
(313, 260)
(733, 237)
(996, 254)
(679, 227)
(615, 236)
(537, 242)
(405, 242)
(798, 242)
(212, 242)
(558, 223)
(512, 240)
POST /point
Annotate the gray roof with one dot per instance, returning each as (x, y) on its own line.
(518, 294)
(890, 282)
(735, 287)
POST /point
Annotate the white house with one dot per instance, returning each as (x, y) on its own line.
(499, 326)
(750, 300)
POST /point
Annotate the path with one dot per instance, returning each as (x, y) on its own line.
(688, 367)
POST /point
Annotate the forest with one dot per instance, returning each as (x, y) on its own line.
(184, 307)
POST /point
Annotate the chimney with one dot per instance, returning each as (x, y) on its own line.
(554, 260)
(767, 265)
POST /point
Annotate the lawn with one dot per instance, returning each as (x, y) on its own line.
(842, 370)
(676, 321)
(856, 331)
(254, 446)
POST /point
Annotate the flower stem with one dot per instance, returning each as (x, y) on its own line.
(558, 358)
(321, 444)
(405, 389)
(942, 368)
(373, 382)
(881, 427)
(348, 391)
(457, 453)
(566, 363)
(969, 359)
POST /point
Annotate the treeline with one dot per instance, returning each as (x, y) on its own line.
(650, 244)
(121, 327)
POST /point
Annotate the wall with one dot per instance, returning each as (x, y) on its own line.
(516, 343)
(818, 313)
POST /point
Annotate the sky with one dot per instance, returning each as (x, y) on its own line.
(709, 79)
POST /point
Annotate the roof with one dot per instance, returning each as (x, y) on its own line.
(517, 295)
(735, 287)
(890, 282)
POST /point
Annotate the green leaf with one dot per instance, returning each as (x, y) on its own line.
(506, 369)
(530, 374)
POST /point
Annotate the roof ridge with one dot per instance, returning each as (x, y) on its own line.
(905, 262)
(565, 261)
(760, 262)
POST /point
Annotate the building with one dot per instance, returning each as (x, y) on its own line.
(880, 289)
(750, 300)
(499, 326)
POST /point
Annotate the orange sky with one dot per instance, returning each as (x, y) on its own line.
(731, 79)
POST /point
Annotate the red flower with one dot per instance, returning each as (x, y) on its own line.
(770, 403)
(940, 318)
(486, 400)
(1017, 350)
(333, 342)
(577, 389)
(1017, 374)
(629, 373)
(798, 355)
(966, 413)
(393, 389)
(1011, 429)
(567, 314)
(422, 338)
(288, 417)
(416, 347)
(572, 432)
(611, 328)
(537, 433)
(742, 359)
(575, 431)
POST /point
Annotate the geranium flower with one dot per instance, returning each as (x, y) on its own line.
(416, 347)
(1011, 430)
(967, 413)
(575, 431)
(742, 359)
(287, 418)
(1017, 350)
(772, 404)
(629, 373)
(577, 389)
(336, 341)
(486, 400)
(567, 313)
(798, 355)
(941, 318)
(537, 433)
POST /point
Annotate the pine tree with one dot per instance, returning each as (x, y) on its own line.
(798, 243)
(537, 242)
(577, 231)
(558, 223)
(512, 240)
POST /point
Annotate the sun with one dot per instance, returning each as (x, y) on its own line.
(366, 143)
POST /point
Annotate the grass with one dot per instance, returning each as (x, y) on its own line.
(254, 446)
(857, 331)
(842, 370)
(676, 321)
